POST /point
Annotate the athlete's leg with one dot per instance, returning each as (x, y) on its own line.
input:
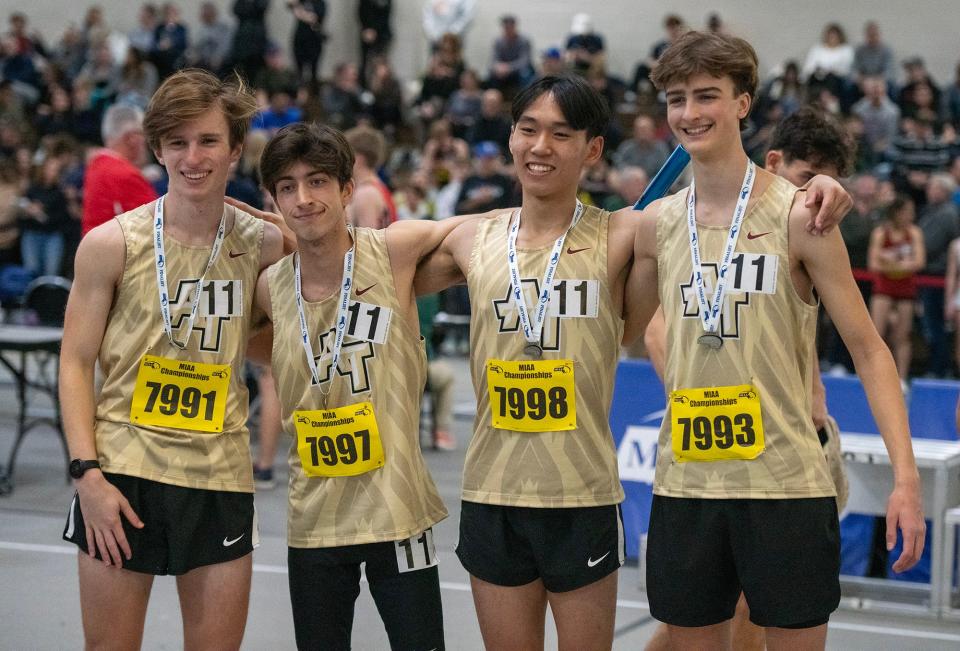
(323, 593)
(269, 430)
(213, 604)
(900, 342)
(660, 641)
(745, 635)
(511, 618)
(797, 639)
(585, 616)
(409, 604)
(700, 638)
(113, 604)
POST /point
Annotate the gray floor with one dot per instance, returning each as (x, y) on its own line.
(39, 595)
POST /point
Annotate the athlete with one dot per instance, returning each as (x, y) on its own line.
(540, 521)
(161, 458)
(743, 499)
(804, 144)
(350, 368)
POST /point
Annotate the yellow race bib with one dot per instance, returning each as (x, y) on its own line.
(340, 442)
(180, 394)
(716, 423)
(532, 396)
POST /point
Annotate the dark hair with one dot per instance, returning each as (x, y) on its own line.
(582, 106)
(900, 201)
(717, 55)
(369, 143)
(813, 136)
(319, 146)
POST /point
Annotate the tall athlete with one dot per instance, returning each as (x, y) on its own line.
(805, 144)
(743, 499)
(350, 368)
(540, 521)
(162, 298)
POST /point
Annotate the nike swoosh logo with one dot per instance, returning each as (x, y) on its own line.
(751, 236)
(361, 292)
(571, 251)
(593, 563)
(233, 254)
(227, 543)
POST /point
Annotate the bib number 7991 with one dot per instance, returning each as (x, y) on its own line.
(180, 394)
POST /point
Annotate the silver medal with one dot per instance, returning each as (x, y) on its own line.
(533, 350)
(710, 340)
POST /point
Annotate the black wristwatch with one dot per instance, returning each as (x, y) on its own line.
(80, 466)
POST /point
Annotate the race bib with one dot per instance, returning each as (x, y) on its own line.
(180, 395)
(532, 396)
(716, 423)
(416, 552)
(340, 442)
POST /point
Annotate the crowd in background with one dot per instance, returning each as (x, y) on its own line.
(447, 132)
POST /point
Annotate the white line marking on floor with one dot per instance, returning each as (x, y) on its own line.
(463, 587)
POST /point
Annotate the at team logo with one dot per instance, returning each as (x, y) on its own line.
(354, 356)
(509, 317)
(747, 275)
(219, 302)
(569, 298)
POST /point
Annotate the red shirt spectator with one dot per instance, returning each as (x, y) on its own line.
(111, 186)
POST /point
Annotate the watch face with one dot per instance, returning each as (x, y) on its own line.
(76, 469)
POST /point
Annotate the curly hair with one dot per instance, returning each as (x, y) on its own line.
(816, 137)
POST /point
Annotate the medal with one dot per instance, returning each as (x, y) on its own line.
(711, 340)
(533, 350)
(532, 325)
(710, 311)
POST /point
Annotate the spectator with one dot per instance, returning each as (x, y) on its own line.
(308, 36)
(112, 183)
(487, 188)
(442, 77)
(916, 72)
(87, 113)
(880, 115)
(860, 222)
(276, 74)
(70, 53)
(372, 205)
(919, 149)
(441, 17)
(375, 32)
(896, 253)
(939, 222)
(138, 80)
(19, 69)
(628, 184)
(102, 74)
(440, 153)
(211, 40)
(873, 57)
(26, 43)
(9, 232)
(250, 37)
(512, 68)
(951, 101)
(674, 27)
(341, 99)
(280, 112)
(143, 36)
(584, 45)
(921, 103)
(551, 62)
(56, 116)
(44, 216)
(170, 41)
(785, 90)
(951, 310)
(831, 57)
(643, 149)
(387, 107)
(492, 125)
(95, 30)
(464, 105)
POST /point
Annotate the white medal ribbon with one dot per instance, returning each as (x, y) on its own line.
(342, 308)
(710, 312)
(532, 331)
(160, 259)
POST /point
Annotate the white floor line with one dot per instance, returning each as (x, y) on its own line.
(463, 587)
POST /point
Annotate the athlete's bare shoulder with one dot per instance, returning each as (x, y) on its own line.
(102, 253)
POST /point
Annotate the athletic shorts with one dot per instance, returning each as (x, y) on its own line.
(566, 548)
(403, 579)
(184, 528)
(784, 554)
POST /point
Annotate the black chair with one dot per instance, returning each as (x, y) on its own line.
(46, 297)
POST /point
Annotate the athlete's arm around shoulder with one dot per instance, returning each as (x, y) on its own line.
(260, 345)
(641, 295)
(273, 245)
(98, 270)
(824, 260)
(448, 263)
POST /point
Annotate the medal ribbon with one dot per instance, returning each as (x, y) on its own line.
(710, 312)
(341, 322)
(160, 259)
(532, 331)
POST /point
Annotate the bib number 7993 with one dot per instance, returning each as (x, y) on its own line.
(716, 423)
